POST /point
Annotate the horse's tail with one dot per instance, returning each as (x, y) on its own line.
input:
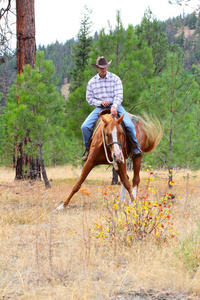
(153, 130)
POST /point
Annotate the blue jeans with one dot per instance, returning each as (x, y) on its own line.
(93, 116)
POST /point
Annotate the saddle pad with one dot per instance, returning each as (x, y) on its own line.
(134, 119)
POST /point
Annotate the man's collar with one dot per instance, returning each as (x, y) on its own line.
(107, 75)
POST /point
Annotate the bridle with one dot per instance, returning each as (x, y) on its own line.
(120, 144)
(115, 165)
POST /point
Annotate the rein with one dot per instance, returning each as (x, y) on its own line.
(106, 153)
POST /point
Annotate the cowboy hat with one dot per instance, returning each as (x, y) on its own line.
(102, 62)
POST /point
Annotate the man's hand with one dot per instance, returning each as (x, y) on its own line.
(113, 111)
(105, 103)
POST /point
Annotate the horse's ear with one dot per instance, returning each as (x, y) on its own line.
(120, 119)
(104, 120)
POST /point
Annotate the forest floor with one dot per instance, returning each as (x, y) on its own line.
(65, 89)
(46, 254)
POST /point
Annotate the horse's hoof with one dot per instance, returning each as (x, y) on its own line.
(60, 207)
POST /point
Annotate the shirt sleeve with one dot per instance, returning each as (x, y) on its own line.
(90, 96)
(118, 93)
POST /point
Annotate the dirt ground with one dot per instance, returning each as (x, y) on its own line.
(47, 254)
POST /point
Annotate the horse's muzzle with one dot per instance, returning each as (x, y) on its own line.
(118, 156)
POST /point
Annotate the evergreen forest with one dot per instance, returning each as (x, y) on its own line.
(159, 64)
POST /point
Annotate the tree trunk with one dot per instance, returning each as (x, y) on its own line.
(114, 177)
(4, 81)
(26, 50)
(170, 177)
(44, 174)
(26, 46)
(170, 153)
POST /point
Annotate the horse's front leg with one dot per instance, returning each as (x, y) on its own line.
(125, 181)
(122, 194)
(89, 165)
(136, 174)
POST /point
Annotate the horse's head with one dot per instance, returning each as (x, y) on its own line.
(113, 136)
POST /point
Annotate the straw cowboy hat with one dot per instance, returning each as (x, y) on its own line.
(102, 62)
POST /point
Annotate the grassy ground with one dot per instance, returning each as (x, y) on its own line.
(46, 254)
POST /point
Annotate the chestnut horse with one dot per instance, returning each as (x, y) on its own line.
(110, 146)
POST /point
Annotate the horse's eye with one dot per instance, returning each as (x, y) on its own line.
(107, 134)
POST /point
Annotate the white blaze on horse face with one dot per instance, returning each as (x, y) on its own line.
(117, 150)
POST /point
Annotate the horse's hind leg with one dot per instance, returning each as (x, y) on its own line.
(85, 171)
(136, 180)
(136, 174)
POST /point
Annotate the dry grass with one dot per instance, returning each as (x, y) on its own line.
(50, 255)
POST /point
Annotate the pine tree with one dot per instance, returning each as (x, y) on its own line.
(81, 50)
(173, 98)
(150, 30)
(39, 113)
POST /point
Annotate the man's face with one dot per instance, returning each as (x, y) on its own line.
(102, 71)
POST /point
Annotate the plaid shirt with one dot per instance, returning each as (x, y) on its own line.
(105, 89)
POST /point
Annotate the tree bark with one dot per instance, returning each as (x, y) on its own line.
(26, 46)
(44, 173)
(26, 50)
(114, 177)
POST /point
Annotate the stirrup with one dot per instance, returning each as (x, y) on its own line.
(84, 158)
(137, 153)
(85, 155)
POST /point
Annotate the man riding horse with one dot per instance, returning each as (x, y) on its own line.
(108, 145)
(105, 90)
